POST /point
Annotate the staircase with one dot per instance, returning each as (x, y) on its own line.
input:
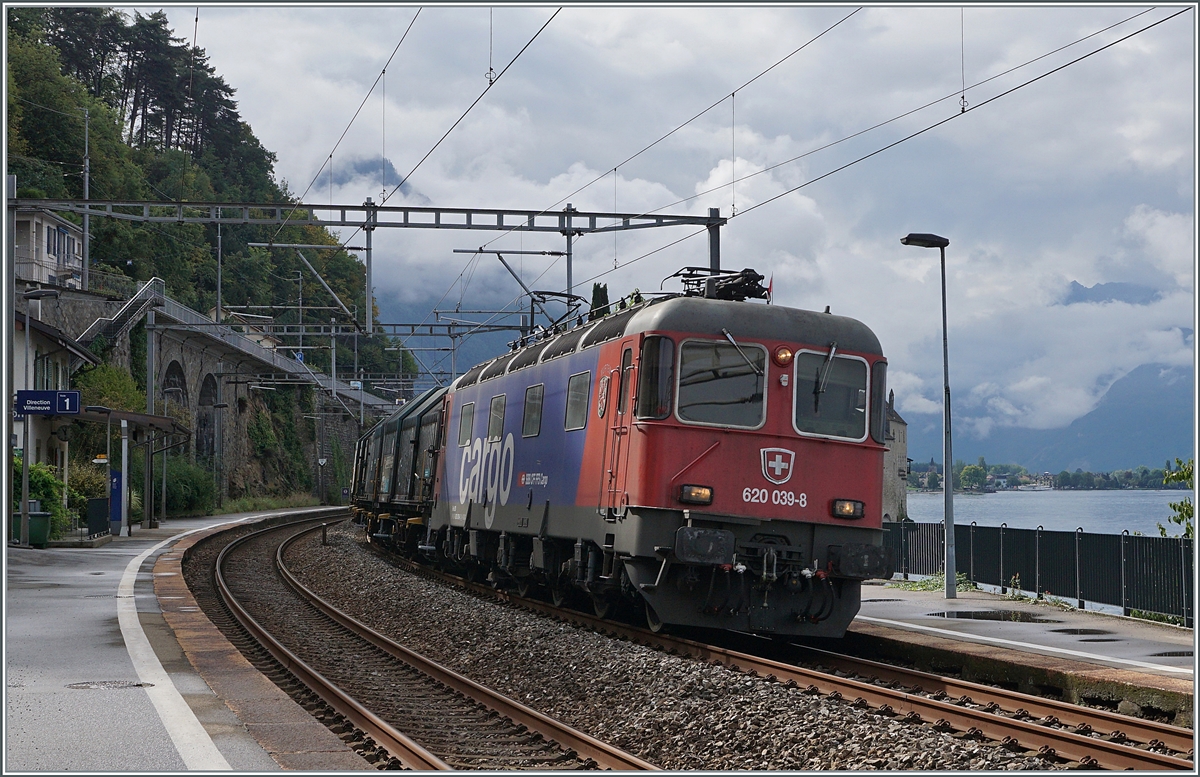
(112, 329)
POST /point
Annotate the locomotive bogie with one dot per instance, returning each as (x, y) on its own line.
(716, 463)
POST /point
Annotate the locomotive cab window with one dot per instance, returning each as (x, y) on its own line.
(496, 418)
(721, 384)
(531, 425)
(626, 372)
(656, 377)
(831, 395)
(578, 391)
(466, 419)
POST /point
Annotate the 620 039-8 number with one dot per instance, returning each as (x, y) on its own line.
(763, 496)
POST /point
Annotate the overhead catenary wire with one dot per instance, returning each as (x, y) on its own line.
(350, 124)
(677, 128)
(898, 117)
(671, 132)
(908, 137)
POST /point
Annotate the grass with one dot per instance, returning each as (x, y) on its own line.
(248, 504)
(933, 583)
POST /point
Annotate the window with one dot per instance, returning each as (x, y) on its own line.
(578, 391)
(656, 377)
(496, 418)
(831, 395)
(879, 428)
(466, 419)
(626, 372)
(718, 384)
(531, 426)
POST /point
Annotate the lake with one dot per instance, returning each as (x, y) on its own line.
(1102, 512)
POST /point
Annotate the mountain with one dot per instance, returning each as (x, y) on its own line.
(1145, 418)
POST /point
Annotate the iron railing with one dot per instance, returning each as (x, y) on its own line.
(1133, 572)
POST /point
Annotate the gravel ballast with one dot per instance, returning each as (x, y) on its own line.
(675, 712)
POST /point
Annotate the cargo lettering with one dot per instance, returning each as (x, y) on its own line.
(486, 474)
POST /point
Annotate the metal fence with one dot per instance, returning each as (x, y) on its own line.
(1133, 572)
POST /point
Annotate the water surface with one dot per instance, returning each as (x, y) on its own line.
(1102, 512)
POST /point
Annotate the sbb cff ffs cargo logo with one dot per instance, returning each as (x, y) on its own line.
(777, 464)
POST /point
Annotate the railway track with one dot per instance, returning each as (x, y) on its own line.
(1055, 729)
(423, 715)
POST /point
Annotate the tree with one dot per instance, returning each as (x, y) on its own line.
(933, 481)
(1184, 510)
(973, 476)
(599, 301)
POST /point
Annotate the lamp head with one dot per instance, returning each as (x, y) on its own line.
(924, 240)
(40, 293)
(98, 409)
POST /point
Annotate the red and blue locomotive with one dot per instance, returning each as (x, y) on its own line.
(710, 461)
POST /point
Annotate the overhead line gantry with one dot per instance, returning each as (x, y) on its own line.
(370, 216)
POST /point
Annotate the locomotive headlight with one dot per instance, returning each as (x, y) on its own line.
(782, 356)
(847, 508)
(696, 495)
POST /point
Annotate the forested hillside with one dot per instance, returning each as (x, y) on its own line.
(162, 125)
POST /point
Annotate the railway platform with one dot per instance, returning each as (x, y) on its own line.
(96, 679)
(1129, 665)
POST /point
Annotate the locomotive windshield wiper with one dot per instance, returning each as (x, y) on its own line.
(733, 342)
(823, 376)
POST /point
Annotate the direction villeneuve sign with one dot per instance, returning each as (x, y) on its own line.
(47, 403)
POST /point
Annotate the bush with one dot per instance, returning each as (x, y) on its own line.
(190, 488)
(44, 486)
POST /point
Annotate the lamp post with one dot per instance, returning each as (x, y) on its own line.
(925, 240)
(33, 294)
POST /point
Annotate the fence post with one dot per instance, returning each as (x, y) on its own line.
(1037, 562)
(1183, 571)
(904, 550)
(1078, 583)
(972, 552)
(1124, 577)
(1003, 586)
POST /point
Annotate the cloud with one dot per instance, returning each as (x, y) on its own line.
(1077, 188)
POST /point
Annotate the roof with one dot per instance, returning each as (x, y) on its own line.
(157, 423)
(76, 348)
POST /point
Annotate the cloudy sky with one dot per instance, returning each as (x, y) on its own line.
(1069, 203)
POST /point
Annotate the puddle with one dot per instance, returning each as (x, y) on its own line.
(1014, 616)
(108, 685)
(1101, 639)
(1080, 632)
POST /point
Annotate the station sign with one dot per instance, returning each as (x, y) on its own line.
(47, 403)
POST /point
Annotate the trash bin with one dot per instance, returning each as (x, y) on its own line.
(39, 528)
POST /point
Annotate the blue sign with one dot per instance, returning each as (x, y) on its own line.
(299, 356)
(48, 402)
(114, 498)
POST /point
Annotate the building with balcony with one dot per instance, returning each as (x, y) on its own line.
(49, 249)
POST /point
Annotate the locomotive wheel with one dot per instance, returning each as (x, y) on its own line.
(558, 593)
(524, 584)
(601, 605)
(653, 622)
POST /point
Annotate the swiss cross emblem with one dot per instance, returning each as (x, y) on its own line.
(777, 464)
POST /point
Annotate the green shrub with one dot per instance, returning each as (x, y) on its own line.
(44, 486)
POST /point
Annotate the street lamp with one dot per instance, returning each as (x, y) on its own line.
(32, 294)
(925, 240)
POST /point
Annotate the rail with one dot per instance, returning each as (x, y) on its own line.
(606, 756)
(1016, 731)
(408, 752)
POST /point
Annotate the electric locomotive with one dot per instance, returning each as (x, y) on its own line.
(710, 461)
